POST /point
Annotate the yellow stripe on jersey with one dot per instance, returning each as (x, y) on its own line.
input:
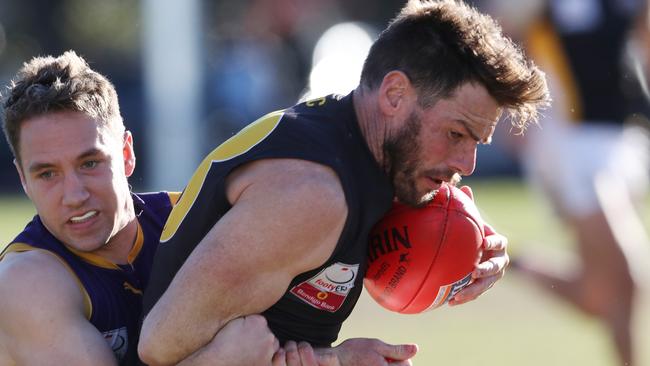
(137, 246)
(173, 197)
(22, 247)
(247, 138)
(545, 48)
(99, 261)
(235, 146)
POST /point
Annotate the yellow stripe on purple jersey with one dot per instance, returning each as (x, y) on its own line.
(113, 292)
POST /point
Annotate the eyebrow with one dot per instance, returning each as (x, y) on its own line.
(469, 130)
(41, 166)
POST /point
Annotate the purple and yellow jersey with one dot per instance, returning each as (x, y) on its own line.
(112, 293)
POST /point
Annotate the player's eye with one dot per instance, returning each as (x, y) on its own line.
(90, 164)
(45, 175)
(455, 135)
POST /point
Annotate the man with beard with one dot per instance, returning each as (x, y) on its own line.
(275, 220)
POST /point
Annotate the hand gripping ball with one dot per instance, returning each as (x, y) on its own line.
(419, 258)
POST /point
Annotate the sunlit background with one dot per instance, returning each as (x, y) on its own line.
(190, 73)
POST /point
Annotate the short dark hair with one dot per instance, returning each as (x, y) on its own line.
(64, 83)
(441, 45)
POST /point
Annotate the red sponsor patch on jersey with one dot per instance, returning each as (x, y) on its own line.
(329, 288)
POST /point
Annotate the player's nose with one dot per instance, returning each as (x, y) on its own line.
(75, 191)
(464, 161)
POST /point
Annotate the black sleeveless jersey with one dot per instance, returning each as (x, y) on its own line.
(584, 43)
(325, 131)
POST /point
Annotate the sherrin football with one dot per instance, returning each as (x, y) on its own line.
(419, 258)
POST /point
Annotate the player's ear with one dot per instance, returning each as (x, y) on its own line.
(395, 92)
(128, 153)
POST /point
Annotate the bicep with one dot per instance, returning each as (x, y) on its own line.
(42, 317)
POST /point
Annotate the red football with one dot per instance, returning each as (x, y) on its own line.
(419, 258)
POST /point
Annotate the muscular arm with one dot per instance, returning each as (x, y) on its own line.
(286, 218)
(242, 342)
(42, 319)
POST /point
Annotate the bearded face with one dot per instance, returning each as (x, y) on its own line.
(405, 168)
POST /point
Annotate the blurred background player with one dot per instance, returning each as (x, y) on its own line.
(590, 157)
(71, 282)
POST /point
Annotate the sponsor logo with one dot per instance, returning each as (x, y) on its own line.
(118, 340)
(329, 288)
(404, 257)
(445, 293)
(388, 241)
(395, 279)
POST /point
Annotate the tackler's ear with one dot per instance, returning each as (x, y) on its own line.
(128, 154)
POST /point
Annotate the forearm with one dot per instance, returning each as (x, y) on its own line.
(243, 341)
(200, 357)
(160, 346)
(177, 329)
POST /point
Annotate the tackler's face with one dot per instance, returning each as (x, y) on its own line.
(438, 144)
(75, 172)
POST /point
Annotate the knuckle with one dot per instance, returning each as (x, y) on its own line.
(292, 354)
(304, 347)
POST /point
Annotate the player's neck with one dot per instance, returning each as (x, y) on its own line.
(118, 248)
(371, 123)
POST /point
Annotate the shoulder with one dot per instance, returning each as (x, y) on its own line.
(155, 200)
(288, 178)
(43, 313)
(37, 277)
(290, 201)
(164, 198)
(156, 205)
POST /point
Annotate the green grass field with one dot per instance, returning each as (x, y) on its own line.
(512, 324)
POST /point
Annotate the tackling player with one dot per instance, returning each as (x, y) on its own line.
(71, 282)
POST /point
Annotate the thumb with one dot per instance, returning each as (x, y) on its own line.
(468, 191)
(400, 352)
